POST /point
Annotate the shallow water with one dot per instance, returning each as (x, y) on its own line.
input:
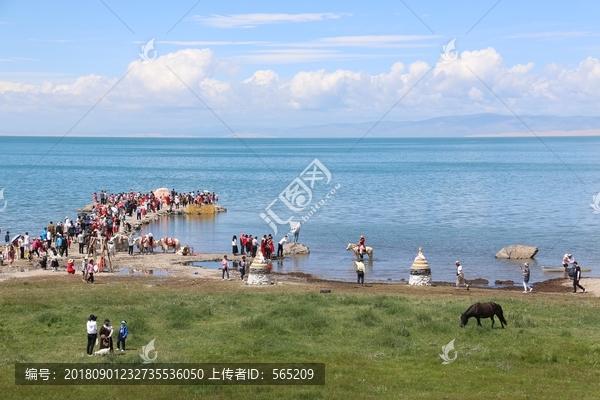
(457, 198)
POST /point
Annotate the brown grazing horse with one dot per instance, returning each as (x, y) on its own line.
(483, 310)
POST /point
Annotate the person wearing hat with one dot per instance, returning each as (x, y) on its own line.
(526, 272)
(92, 331)
(106, 331)
(360, 272)
(123, 332)
(460, 275)
(84, 269)
(567, 259)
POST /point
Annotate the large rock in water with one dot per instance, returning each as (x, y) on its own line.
(517, 251)
(292, 249)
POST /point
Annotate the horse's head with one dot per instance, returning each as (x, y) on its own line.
(349, 247)
(463, 320)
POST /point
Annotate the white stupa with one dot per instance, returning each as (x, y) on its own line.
(420, 273)
(260, 272)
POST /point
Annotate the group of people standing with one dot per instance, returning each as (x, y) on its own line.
(104, 336)
(242, 266)
(250, 245)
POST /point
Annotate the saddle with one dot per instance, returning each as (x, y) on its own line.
(170, 242)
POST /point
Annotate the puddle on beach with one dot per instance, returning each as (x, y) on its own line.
(136, 272)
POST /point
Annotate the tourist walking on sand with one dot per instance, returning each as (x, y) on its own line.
(360, 272)
(234, 246)
(92, 333)
(243, 267)
(460, 276)
(577, 277)
(225, 267)
(526, 272)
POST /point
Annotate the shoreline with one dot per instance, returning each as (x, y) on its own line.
(173, 267)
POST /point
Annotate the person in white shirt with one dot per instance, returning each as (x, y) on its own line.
(21, 248)
(81, 242)
(92, 331)
(567, 259)
(27, 243)
(460, 276)
(282, 242)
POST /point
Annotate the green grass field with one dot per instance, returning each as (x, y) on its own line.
(375, 346)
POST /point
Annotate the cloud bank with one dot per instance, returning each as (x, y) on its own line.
(340, 95)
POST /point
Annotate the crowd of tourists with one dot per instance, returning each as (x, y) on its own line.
(107, 217)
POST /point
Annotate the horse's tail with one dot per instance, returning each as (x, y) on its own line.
(500, 314)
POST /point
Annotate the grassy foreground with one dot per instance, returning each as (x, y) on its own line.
(375, 346)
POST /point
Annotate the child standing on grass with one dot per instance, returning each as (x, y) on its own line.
(123, 332)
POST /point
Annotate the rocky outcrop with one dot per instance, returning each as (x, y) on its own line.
(508, 282)
(293, 249)
(477, 281)
(87, 209)
(517, 252)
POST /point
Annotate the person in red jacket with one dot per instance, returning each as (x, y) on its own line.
(361, 247)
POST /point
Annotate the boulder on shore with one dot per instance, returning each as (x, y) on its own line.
(292, 249)
(517, 252)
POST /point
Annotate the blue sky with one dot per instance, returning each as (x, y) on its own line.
(265, 64)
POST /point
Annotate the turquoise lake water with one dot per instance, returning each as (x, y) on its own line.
(457, 198)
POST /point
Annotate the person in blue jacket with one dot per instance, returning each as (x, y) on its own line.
(123, 332)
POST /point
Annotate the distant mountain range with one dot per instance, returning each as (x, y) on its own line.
(455, 126)
(476, 125)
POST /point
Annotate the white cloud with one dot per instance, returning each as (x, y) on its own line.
(552, 35)
(343, 94)
(292, 56)
(380, 41)
(253, 20)
(207, 43)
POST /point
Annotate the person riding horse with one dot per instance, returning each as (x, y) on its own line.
(362, 248)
